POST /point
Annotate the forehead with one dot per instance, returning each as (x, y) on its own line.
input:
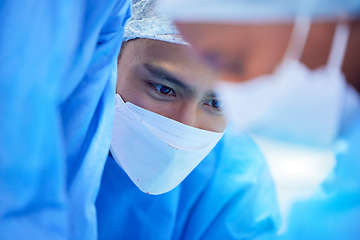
(231, 36)
(254, 49)
(179, 60)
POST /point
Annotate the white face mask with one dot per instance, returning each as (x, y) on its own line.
(294, 103)
(156, 152)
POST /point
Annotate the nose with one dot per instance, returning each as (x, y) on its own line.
(188, 114)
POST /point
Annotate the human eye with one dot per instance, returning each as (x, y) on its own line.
(215, 105)
(164, 90)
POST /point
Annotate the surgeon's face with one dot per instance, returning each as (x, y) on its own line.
(239, 52)
(169, 79)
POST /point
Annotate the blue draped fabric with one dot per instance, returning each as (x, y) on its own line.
(230, 195)
(334, 212)
(56, 113)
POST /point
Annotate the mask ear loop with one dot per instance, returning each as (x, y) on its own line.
(338, 47)
(298, 38)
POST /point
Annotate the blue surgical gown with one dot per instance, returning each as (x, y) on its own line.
(334, 211)
(230, 195)
(56, 113)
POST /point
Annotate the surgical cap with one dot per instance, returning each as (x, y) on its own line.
(258, 10)
(147, 22)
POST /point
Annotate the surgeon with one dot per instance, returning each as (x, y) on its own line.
(291, 79)
(56, 113)
(167, 120)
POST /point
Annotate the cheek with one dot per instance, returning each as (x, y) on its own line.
(221, 124)
(129, 94)
(135, 92)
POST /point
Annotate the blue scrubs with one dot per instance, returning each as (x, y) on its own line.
(230, 195)
(334, 213)
(56, 113)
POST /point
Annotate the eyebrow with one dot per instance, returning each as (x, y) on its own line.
(211, 94)
(163, 74)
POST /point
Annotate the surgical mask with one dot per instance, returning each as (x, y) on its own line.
(156, 152)
(294, 104)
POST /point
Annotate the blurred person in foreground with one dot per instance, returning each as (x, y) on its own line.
(167, 121)
(291, 78)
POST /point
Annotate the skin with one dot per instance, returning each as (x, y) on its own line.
(171, 80)
(241, 52)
